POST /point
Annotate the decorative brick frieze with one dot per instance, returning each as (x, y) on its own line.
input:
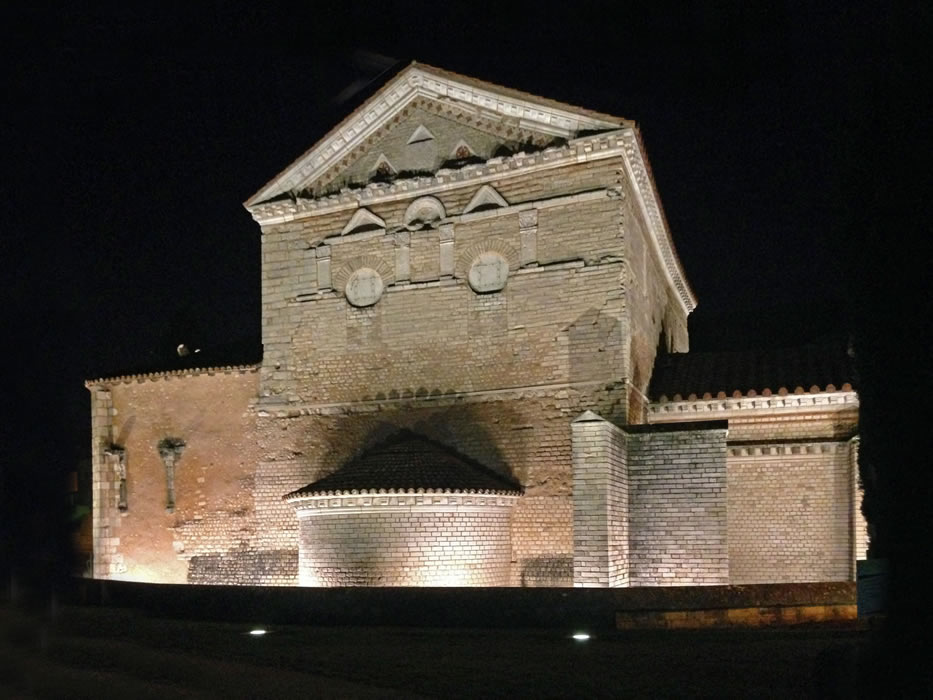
(493, 170)
(409, 500)
(410, 400)
(794, 402)
(785, 450)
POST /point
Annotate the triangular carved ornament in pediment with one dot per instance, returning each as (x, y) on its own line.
(486, 197)
(363, 220)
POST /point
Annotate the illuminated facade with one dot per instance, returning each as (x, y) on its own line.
(475, 372)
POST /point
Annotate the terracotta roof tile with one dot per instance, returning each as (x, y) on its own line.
(410, 462)
(825, 366)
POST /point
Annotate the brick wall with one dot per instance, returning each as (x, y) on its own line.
(214, 511)
(600, 504)
(536, 331)
(524, 435)
(403, 543)
(495, 376)
(105, 514)
(677, 482)
(651, 309)
(794, 502)
(542, 541)
(790, 516)
(859, 524)
(649, 504)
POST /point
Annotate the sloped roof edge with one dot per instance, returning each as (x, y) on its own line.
(417, 78)
(388, 467)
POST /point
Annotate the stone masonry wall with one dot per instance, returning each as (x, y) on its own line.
(406, 547)
(210, 535)
(677, 486)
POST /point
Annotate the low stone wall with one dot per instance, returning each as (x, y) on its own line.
(735, 617)
(566, 608)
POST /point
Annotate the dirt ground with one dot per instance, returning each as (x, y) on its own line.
(87, 652)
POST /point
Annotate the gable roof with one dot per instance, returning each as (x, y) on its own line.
(420, 80)
(410, 462)
(749, 372)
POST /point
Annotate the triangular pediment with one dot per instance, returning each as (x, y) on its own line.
(474, 111)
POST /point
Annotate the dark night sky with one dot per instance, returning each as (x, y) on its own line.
(133, 135)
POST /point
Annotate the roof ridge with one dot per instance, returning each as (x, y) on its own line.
(165, 374)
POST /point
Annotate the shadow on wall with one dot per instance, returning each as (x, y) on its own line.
(594, 345)
(461, 428)
(547, 572)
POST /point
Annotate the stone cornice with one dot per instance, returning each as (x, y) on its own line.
(592, 148)
(650, 204)
(156, 376)
(545, 116)
(345, 503)
(800, 450)
(788, 402)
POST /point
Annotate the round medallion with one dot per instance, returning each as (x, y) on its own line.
(364, 288)
(488, 272)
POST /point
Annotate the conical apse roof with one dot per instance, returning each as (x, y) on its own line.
(410, 462)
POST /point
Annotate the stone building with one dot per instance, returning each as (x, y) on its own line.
(475, 371)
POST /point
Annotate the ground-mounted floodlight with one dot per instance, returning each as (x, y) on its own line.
(581, 636)
(257, 632)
